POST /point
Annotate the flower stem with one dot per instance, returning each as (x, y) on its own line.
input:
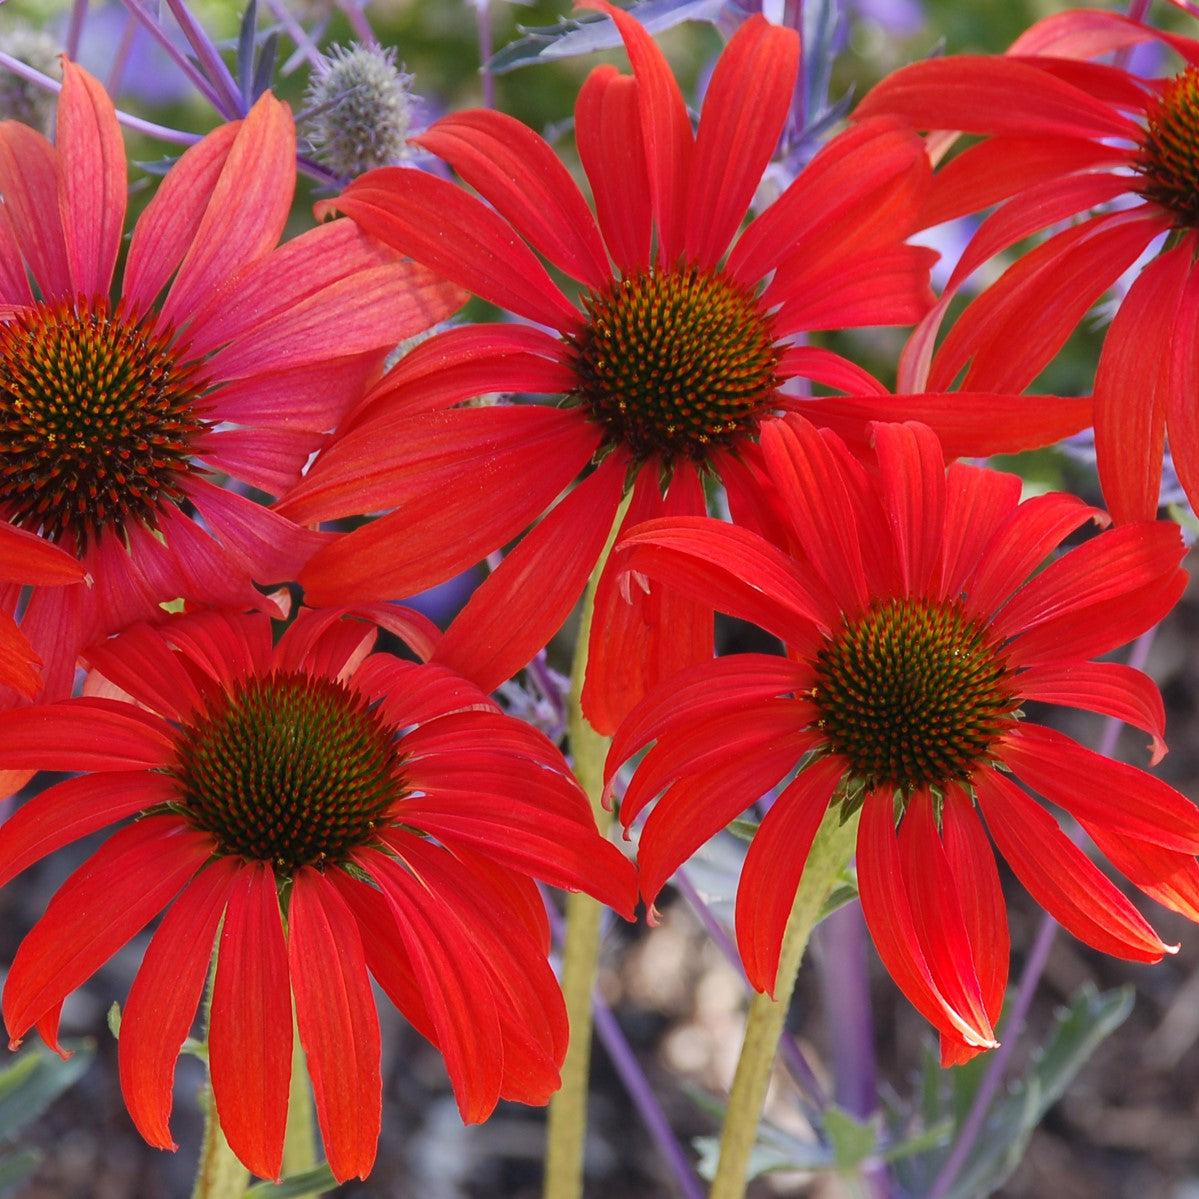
(567, 1120)
(829, 855)
(299, 1145)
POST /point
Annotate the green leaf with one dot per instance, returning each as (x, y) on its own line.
(16, 1168)
(746, 830)
(34, 1081)
(773, 1150)
(852, 1140)
(114, 1021)
(312, 1182)
(846, 891)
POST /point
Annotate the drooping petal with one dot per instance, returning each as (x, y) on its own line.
(608, 137)
(1132, 388)
(337, 1021)
(774, 867)
(94, 187)
(140, 661)
(968, 853)
(1182, 379)
(457, 236)
(19, 665)
(101, 907)
(745, 108)
(73, 809)
(14, 278)
(1170, 878)
(162, 1001)
(1096, 788)
(250, 1026)
(453, 983)
(83, 734)
(938, 912)
(1109, 688)
(1060, 877)
(892, 922)
(524, 602)
(524, 180)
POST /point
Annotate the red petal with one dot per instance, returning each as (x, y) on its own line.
(912, 487)
(892, 922)
(20, 667)
(94, 185)
(1084, 782)
(26, 558)
(73, 809)
(524, 602)
(162, 1001)
(516, 172)
(971, 93)
(30, 179)
(1021, 544)
(14, 278)
(745, 109)
(141, 662)
(938, 912)
(732, 569)
(665, 130)
(640, 637)
(1060, 877)
(83, 734)
(976, 881)
(978, 502)
(1170, 878)
(411, 694)
(774, 867)
(720, 685)
(698, 806)
(100, 908)
(442, 226)
(167, 226)
(608, 137)
(829, 370)
(1119, 562)
(1182, 381)
(1104, 687)
(250, 1028)
(247, 208)
(1133, 387)
(454, 983)
(339, 1027)
(967, 424)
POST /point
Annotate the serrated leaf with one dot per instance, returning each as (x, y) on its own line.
(34, 1081)
(572, 36)
(852, 1140)
(312, 1182)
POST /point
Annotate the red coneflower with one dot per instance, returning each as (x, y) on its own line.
(674, 356)
(914, 635)
(110, 410)
(387, 810)
(1063, 136)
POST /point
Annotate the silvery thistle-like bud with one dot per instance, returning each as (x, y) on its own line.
(21, 100)
(361, 108)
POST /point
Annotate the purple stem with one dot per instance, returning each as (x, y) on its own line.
(176, 136)
(358, 22)
(793, 1057)
(121, 58)
(1137, 10)
(210, 60)
(845, 994)
(195, 77)
(1033, 968)
(793, 18)
(294, 30)
(549, 688)
(989, 1087)
(75, 28)
(483, 21)
(625, 1062)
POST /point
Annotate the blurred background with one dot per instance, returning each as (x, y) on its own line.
(1113, 1083)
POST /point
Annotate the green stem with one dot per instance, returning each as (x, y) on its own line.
(219, 1175)
(299, 1145)
(829, 855)
(567, 1120)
